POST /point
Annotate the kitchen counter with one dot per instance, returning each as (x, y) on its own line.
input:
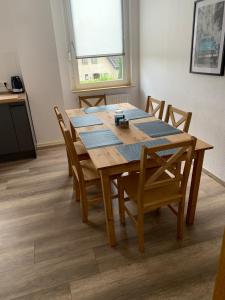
(11, 98)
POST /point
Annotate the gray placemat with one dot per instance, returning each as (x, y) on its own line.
(132, 152)
(100, 108)
(99, 138)
(136, 113)
(157, 128)
(85, 121)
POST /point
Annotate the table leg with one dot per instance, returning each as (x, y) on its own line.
(106, 189)
(195, 182)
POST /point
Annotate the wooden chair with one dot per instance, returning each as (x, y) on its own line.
(185, 117)
(155, 187)
(219, 289)
(80, 149)
(159, 108)
(84, 175)
(91, 101)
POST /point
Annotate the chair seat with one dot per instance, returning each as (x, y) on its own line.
(154, 197)
(89, 171)
(81, 150)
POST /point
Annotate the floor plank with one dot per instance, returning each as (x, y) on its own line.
(56, 293)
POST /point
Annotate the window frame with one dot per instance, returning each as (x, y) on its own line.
(75, 78)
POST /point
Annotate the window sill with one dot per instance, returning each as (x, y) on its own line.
(103, 88)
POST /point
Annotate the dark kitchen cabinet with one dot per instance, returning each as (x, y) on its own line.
(8, 139)
(17, 138)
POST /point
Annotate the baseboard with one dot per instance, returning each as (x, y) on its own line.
(217, 179)
(50, 144)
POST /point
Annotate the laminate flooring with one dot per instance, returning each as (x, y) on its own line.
(47, 253)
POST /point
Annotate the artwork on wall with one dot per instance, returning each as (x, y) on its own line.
(207, 53)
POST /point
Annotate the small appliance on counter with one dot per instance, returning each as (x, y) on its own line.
(17, 85)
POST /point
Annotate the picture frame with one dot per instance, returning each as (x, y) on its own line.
(208, 38)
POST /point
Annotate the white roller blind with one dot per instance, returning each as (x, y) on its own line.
(98, 27)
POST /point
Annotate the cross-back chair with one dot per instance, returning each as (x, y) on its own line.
(80, 149)
(157, 186)
(84, 175)
(185, 117)
(155, 107)
(91, 101)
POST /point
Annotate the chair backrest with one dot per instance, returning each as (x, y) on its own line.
(185, 117)
(72, 153)
(166, 164)
(58, 114)
(59, 117)
(91, 101)
(155, 106)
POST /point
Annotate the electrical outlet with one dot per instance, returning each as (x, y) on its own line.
(3, 83)
(3, 86)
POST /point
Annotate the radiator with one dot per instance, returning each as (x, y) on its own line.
(119, 98)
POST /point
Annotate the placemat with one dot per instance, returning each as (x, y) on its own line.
(157, 128)
(100, 108)
(99, 138)
(132, 152)
(136, 113)
(85, 121)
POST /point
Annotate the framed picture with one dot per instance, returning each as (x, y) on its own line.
(207, 53)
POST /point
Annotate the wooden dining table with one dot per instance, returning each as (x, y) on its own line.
(109, 162)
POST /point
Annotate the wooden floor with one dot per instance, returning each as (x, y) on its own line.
(47, 253)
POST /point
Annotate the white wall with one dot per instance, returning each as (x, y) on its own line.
(165, 43)
(9, 64)
(39, 64)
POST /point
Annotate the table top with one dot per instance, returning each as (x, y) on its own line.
(109, 156)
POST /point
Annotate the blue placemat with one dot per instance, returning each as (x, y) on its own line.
(99, 138)
(100, 108)
(136, 113)
(132, 152)
(157, 128)
(85, 121)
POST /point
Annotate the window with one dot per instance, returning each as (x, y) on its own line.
(94, 60)
(84, 61)
(96, 76)
(99, 42)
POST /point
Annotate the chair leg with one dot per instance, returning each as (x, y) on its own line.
(69, 165)
(121, 202)
(76, 188)
(180, 221)
(158, 210)
(84, 207)
(140, 233)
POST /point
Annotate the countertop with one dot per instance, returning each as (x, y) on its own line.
(11, 98)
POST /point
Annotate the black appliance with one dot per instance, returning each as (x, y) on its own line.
(17, 85)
